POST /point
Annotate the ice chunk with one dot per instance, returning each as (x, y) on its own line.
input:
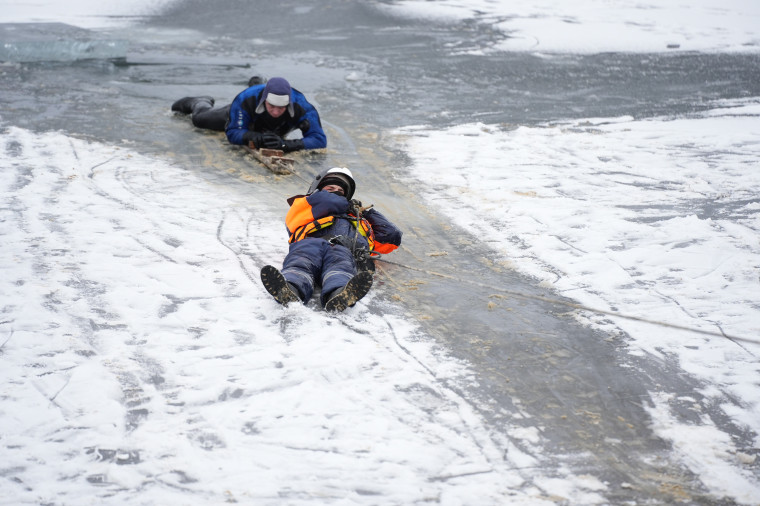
(31, 42)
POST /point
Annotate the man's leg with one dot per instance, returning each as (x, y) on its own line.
(341, 287)
(212, 119)
(203, 113)
(303, 265)
(191, 105)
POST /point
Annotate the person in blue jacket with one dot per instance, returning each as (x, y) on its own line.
(262, 114)
(332, 239)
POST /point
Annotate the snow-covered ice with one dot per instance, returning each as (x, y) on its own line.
(91, 14)
(597, 26)
(655, 219)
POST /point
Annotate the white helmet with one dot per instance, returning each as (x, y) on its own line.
(340, 176)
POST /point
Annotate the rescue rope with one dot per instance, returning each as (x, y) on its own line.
(575, 305)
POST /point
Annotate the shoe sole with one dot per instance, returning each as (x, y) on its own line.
(277, 286)
(356, 288)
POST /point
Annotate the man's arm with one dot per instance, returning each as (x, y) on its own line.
(313, 135)
(240, 119)
(237, 124)
(387, 235)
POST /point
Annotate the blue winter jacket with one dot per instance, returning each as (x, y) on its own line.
(243, 118)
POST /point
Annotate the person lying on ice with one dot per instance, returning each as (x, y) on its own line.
(331, 239)
(262, 114)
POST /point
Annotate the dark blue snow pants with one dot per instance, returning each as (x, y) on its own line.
(313, 260)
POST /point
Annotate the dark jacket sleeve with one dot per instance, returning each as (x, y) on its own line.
(314, 137)
(241, 111)
(324, 203)
(385, 231)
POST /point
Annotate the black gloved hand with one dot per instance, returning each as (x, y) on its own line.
(252, 137)
(267, 140)
(289, 145)
(270, 140)
(356, 203)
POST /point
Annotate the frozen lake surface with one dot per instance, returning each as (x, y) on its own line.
(572, 317)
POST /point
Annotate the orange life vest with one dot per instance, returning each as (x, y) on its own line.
(301, 223)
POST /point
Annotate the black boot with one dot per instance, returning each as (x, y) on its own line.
(256, 80)
(278, 287)
(356, 288)
(192, 105)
